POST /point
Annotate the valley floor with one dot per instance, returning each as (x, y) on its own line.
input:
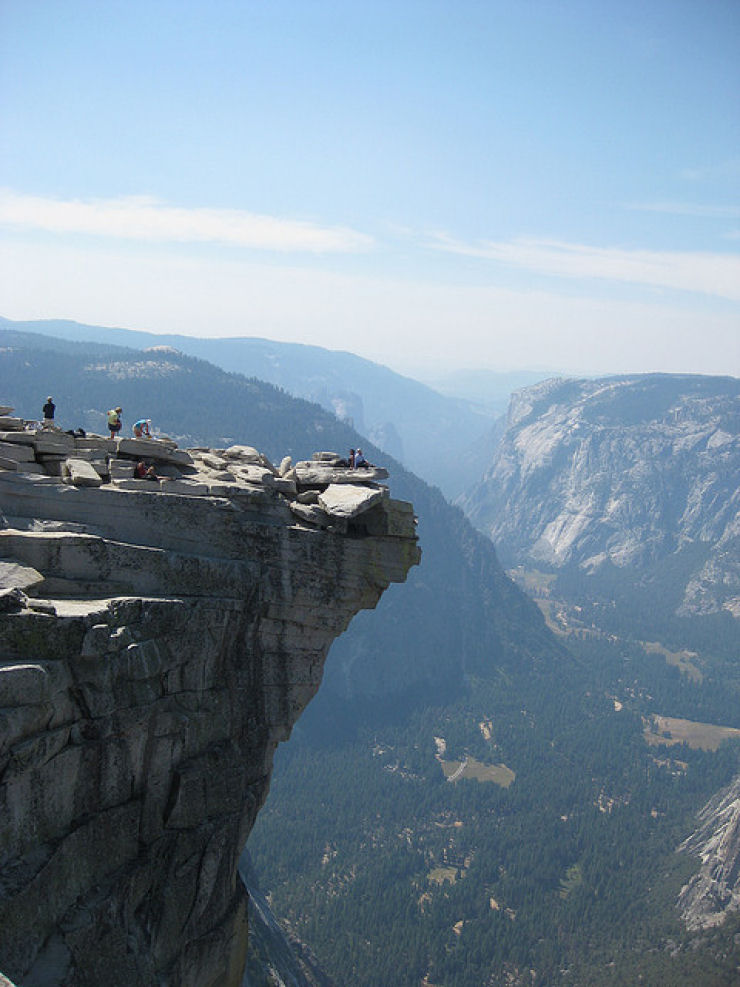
(553, 862)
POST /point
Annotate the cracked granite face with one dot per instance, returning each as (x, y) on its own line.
(157, 641)
(627, 470)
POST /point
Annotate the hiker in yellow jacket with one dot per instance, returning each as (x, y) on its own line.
(114, 421)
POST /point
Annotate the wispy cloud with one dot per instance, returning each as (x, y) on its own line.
(147, 219)
(708, 273)
(688, 209)
(717, 170)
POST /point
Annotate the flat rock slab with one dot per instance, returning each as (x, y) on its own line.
(53, 443)
(14, 450)
(131, 483)
(18, 438)
(80, 473)
(15, 575)
(152, 450)
(8, 464)
(96, 442)
(345, 500)
(186, 487)
(315, 473)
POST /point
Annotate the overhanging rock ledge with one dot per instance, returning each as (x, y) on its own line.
(157, 640)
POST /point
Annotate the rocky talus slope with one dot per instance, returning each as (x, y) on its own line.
(623, 470)
(158, 638)
(715, 890)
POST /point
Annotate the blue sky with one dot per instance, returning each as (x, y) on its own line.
(429, 184)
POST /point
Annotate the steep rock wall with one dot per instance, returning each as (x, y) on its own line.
(627, 471)
(714, 891)
(154, 649)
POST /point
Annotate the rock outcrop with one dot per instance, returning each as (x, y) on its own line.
(714, 890)
(158, 638)
(623, 470)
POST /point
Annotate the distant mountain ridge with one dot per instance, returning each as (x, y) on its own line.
(623, 473)
(427, 431)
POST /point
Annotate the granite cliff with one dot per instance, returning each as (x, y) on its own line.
(622, 472)
(714, 891)
(158, 639)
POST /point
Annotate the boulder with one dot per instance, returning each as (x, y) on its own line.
(285, 463)
(247, 454)
(255, 474)
(15, 574)
(308, 497)
(345, 500)
(80, 473)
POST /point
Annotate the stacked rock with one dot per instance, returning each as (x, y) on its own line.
(322, 492)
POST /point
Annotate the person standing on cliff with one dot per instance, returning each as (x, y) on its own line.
(114, 421)
(48, 410)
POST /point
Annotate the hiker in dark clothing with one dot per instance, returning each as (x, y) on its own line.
(48, 410)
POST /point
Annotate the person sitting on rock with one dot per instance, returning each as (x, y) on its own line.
(49, 409)
(142, 428)
(114, 421)
(144, 472)
(360, 460)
